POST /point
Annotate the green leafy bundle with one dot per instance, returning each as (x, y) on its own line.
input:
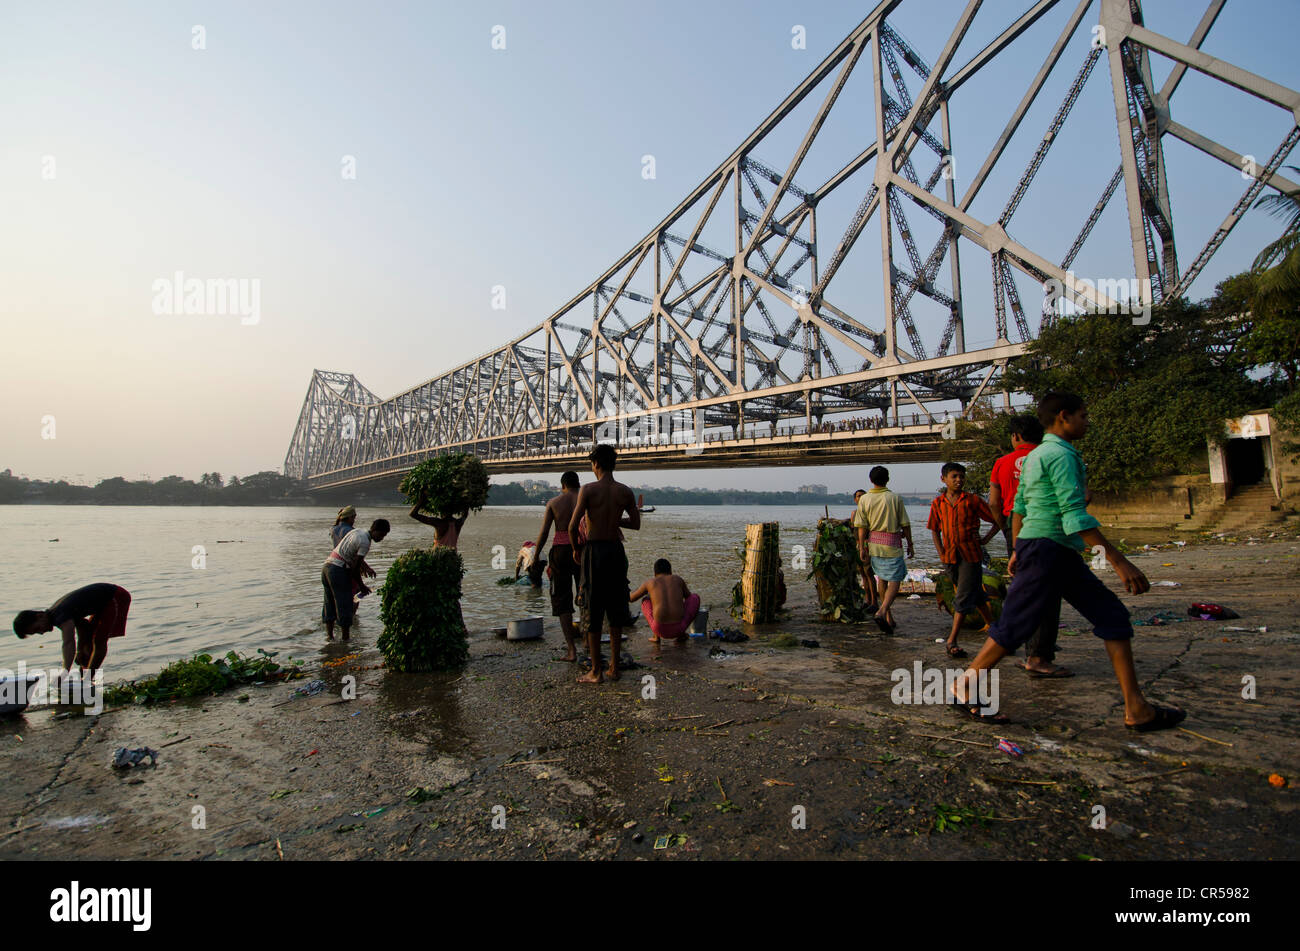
(419, 605)
(201, 676)
(837, 568)
(447, 485)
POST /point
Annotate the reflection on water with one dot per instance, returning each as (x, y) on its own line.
(259, 580)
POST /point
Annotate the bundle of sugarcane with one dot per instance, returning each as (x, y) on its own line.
(758, 577)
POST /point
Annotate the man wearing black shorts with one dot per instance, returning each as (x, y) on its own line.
(561, 568)
(608, 506)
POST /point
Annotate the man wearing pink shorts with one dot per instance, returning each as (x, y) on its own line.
(666, 602)
(88, 617)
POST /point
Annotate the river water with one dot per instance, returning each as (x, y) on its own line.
(228, 578)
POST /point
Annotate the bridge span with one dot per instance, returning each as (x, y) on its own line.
(766, 306)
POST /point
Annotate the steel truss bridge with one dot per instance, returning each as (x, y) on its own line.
(744, 330)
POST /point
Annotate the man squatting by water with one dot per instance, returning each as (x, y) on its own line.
(561, 568)
(603, 587)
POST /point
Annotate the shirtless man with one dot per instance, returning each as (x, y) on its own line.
(608, 506)
(561, 568)
(87, 618)
(668, 605)
(446, 531)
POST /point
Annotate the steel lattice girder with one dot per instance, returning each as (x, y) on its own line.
(693, 334)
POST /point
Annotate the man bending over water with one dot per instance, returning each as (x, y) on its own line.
(668, 605)
(602, 586)
(88, 617)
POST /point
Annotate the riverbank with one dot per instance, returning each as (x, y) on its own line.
(733, 751)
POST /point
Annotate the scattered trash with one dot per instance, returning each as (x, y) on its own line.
(310, 689)
(1212, 612)
(313, 752)
(1165, 584)
(1277, 782)
(1159, 619)
(124, 758)
(351, 715)
(730, 635)
(1167, 564)
(281, 793)
(1010, 748)
(913, 597)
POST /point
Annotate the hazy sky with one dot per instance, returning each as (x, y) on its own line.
(129, 155)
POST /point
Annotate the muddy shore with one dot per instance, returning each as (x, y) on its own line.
(739, 746)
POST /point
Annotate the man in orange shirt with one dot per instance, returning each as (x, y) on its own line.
(954, 522)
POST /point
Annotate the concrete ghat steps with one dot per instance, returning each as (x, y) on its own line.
(1250, 509)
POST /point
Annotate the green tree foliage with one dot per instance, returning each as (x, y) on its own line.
(1278, 264)
(448, 485)
(1154, 392)
(419, 605)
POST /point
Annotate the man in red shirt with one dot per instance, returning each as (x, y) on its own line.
(1026, 434)
(1004, 482)
(954, 522)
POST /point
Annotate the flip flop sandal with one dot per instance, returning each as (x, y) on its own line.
(1057, 673)
(974, 711)
(885, 626)
(1165, 718)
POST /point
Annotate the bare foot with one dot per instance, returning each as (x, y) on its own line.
(572, 655)
(612, 673)
(590, 678)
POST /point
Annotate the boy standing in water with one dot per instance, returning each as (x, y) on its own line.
(1050, 527)
(561, 567)
(603, 588)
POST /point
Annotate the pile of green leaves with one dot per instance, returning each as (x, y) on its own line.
(201, 676)
(419, 605)
(951, 817)
(447, 485)
(836, 561)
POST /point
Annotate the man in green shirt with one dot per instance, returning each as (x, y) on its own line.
(1050, 527)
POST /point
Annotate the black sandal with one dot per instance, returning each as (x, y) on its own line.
(976, 712)
(1166, 718)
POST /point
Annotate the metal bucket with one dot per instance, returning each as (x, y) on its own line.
(701, 623)
(525, 629)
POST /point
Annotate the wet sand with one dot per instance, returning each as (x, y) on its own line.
(728, 756)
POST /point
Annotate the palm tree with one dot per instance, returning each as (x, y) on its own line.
(1278, 265)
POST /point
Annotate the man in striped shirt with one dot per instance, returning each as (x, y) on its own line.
(955, 517)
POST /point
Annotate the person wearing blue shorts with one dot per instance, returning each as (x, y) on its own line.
(884, 520)
(1050, 527)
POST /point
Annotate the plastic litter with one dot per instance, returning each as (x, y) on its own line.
(1165, 584)
(309, 689)
(914, 597)
(730, 635)
(1010, 748)
(1208, 611)
(125, 759)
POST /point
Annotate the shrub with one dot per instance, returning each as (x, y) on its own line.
(448, 485)
(419, 605)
